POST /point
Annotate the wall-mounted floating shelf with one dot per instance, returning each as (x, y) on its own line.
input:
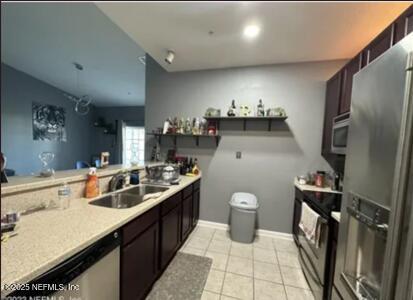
(245, 119)
(176, 135)
(108, 128)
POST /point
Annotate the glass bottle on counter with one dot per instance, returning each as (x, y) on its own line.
(64, 196)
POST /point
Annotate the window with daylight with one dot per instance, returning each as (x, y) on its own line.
(133, 144)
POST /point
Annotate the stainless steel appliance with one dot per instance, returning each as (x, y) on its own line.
(93, 273)
(339, 134)
(316, 261)
(374, 241)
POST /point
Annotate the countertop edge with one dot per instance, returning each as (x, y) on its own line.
(57, 260)
(306, 187)
(34, 183)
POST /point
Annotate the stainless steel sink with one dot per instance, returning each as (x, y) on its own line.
(145, 189)
(128, 198)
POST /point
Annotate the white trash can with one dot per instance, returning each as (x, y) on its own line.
(243, 217)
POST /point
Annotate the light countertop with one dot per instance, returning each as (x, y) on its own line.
(49, 237)
(336, 215)
(307, 187)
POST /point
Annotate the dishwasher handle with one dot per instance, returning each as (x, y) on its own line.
(66, 271)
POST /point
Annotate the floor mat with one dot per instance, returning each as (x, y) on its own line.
(184, 278)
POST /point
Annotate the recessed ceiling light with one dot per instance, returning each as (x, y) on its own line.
(251, 31)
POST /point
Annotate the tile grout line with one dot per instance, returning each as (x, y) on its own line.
(253, 274)
(274, 248)
(226, 267)
(266, 280)
(282, 279)
(209, 243)
(205, 251)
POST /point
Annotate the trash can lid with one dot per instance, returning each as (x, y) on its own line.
(244, 201)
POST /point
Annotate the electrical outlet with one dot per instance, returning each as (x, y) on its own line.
(238, 154)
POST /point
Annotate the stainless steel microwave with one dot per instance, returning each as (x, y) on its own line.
(339, 134)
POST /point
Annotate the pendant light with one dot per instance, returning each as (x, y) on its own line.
(82, 102)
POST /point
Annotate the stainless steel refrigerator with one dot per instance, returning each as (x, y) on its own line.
(375, 246)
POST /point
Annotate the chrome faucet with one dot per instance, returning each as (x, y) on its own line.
(117, 182)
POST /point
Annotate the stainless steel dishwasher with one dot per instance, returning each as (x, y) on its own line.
(91, 274)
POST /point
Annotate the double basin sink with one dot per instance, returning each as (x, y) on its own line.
(128, 198)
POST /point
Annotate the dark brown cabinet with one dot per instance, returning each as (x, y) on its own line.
(195, 207)
(339, 87)
(380, 44)
(150, 241)
(186, 216)
(333, 91)
(348, 72)
(170, 234)
(139, 264)
(409, 21)
(403, 25)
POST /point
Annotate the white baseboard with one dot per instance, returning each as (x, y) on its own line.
(260, 232)
(275, 234)
(214, 225)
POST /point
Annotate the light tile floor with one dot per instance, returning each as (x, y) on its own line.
(266, 269)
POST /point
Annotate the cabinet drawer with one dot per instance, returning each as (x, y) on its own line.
(188, 191)
(197, 185)
(171, 203)
(137, 226)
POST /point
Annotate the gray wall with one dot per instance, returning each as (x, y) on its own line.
(133, 115)
(270, 160)
(18, 91)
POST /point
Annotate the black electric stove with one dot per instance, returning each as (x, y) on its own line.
(321, 258)
(324, 202)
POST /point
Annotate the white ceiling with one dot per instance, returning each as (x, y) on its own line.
(44, 39)
(291, 32)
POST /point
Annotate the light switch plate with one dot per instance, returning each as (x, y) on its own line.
(238, 154)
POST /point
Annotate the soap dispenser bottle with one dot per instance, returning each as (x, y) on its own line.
(92, 184)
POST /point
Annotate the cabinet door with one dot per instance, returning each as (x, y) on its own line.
(139, 264)
(170, 235)
(409, 20)
(186, 216)
(380, 44)
(348, 72)
(331, 110)
(195, 207)
(403, 25)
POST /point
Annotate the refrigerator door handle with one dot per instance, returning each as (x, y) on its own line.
(409, 62)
